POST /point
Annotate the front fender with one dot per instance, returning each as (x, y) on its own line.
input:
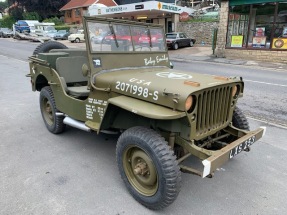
(145, 109)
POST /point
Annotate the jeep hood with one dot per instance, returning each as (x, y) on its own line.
(160, 85)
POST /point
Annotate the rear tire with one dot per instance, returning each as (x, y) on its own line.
(48, 109)
(191, 43)
(77, 40)
(148, 167)
(47, 46)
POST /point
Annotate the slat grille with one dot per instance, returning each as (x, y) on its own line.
(213, 109)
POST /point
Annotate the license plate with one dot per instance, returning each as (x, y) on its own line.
(242, 146)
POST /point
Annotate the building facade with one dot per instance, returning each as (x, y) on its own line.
(253, 30)
(156, 12)
(74, 10)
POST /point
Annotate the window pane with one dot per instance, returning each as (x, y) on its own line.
(141, 38)
(238, 26)
(157, 39)
(280, 29)
(261, 24)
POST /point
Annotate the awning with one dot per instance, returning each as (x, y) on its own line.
(241, 2)
(141, 9)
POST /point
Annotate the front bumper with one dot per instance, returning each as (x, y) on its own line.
(220, 157)
(169, 45)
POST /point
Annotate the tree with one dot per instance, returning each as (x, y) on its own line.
(45, 9)
(3, 5)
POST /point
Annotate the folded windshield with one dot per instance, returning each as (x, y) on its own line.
(125, 38)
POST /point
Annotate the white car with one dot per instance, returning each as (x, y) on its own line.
(77, 37)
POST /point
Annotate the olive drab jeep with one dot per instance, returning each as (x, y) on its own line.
(123, 84)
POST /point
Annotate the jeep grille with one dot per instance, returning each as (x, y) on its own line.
(213, 109)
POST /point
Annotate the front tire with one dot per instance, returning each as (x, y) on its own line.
(175, 46)
(77, 40)
(239, 120)
(48, 109)
(148, 167)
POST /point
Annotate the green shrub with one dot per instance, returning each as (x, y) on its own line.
(56, 20)
(31, 16)
(7, 22)
(63, 27)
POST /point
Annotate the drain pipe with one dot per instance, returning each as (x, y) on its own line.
(76, 124)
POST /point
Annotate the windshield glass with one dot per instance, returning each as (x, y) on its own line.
(49, 28)
(170, 36)
(124, 38)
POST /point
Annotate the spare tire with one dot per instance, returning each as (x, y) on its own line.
(47, 46)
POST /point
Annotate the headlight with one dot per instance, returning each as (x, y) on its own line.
(235, 91)
(190, 103)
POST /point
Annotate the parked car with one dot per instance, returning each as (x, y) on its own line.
(162, 116)
(77, 37)
(51, 33)
(6, 32)
(61, 35)
(156, 39)
(45, 29)
(22, 26)
(178, 39)
(99, 38)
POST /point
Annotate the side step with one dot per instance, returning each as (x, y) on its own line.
(76, 124)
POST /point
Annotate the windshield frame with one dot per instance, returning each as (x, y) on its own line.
(92, 50)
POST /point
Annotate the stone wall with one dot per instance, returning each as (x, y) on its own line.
(222, 30)
(258, 55)
(201, 31)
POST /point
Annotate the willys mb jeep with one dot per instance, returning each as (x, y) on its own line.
(126, 85)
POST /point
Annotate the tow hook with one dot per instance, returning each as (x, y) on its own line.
(210, 175)
(247, 149)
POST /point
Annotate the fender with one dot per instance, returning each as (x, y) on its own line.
(145, 109)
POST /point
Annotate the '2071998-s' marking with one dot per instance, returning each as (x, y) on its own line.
(136, 90)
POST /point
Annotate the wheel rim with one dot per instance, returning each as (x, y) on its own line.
(77, 40)
(191, 43)
(47, 111)
(176, 46)
(140, 171)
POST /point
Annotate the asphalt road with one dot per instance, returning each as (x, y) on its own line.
(76, 172)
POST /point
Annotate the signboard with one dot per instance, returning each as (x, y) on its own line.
(149, 7)
(260, 32)
(116, 9)
(279, 43)
(236, 41)
(139, 6)
(259, 42)
(184, 16)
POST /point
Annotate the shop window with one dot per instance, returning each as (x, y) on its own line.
(280, 28)
(258, 26)
(238, 26)
(261, 25)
